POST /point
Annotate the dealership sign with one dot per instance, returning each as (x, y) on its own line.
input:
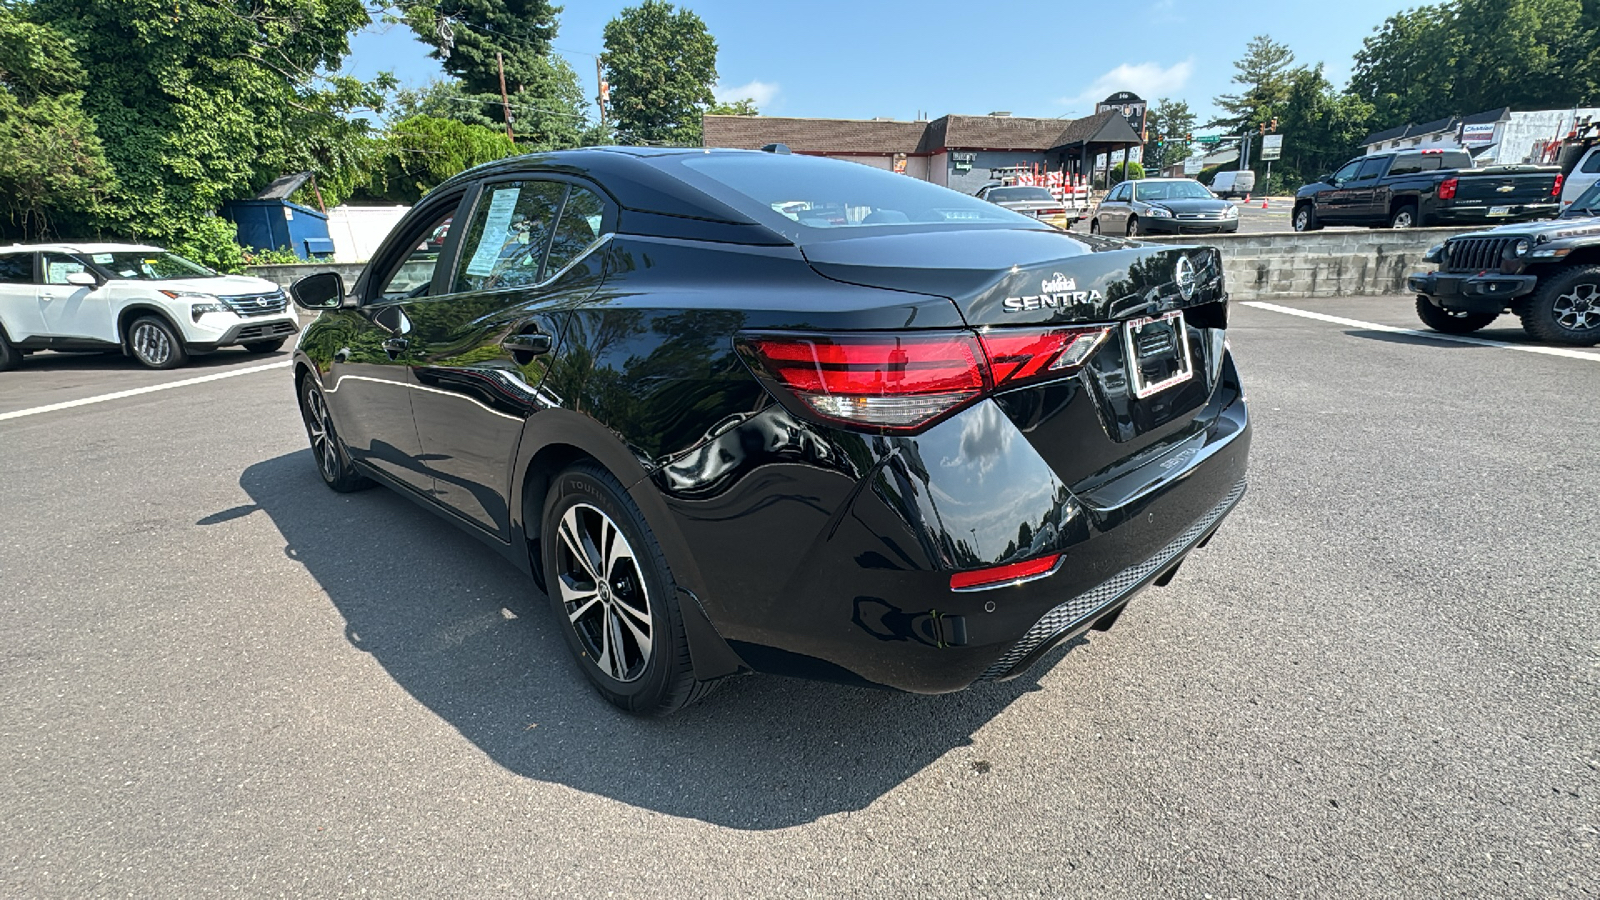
(1477, 135)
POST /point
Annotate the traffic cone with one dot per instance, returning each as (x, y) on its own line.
(1263, 203)
(1247, 198)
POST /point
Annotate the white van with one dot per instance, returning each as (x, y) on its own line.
(1237, 183)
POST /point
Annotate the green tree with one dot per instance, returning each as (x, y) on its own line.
(1173, 121)
(661, 63)
(198, 102)
(1320, 127)
(423, 151)
(745, 107)
(1468, 56)
(1263, 75)
(53, 171)
(467, 35)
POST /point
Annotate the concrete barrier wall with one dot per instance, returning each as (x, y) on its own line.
(1290, 266)
(286, 275)
(1283, 266)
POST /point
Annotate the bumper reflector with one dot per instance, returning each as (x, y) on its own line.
(1008, 574)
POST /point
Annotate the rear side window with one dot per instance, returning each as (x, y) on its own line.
(57, 268)
(506, 242)
(1372, 168)
(16, 268)
(1410, 164)
(578, 228)
(1592, 164)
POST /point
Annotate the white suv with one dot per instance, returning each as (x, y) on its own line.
(150, 304)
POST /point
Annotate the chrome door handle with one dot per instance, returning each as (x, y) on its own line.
(535, 343)
(395, 346)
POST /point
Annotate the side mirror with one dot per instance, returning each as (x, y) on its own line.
(83, 279)
(323, 290)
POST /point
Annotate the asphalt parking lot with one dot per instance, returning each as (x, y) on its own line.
(1381, 679)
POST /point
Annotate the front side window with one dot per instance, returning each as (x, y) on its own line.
(1347, 173)
(58, 267)
(1592, 164)
(16, 268)
(148, 265)
(412, 275)
(510, 232)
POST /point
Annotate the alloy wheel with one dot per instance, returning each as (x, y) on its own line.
(320, 427)
(1302, 218)
(603, 593)
(1579, 308)
(1402, 219)
(151, 344)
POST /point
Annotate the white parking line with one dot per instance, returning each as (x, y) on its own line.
(1431, 335)
(69, 404)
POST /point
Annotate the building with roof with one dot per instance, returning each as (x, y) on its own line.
(1493, 137)
(961, 152)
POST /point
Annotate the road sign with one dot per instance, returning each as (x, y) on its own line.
(1271, 146)
(1193, 165)
(1209, 139)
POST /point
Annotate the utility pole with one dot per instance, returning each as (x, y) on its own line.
(602, 90)
(505, 102)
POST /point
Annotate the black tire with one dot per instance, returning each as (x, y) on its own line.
(1565, 308)
(1133, 226)
(333, 460)
(265, 346)
(155, 343)
(1450, 321)
(604, 615)
(1094, 226)
(10, 357)
(1404, 216)
(1304, 218)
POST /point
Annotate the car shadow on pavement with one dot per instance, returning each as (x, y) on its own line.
(471, 637)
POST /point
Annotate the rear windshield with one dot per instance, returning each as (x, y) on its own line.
(148, 265)
(1016, 194)
(823, 195)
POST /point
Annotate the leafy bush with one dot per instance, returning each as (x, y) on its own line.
(1135, 171)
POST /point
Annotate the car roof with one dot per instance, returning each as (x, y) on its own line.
(75, 247)
(1148, 180)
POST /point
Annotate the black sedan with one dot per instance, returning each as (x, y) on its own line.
(1163, 206)
(744, 411)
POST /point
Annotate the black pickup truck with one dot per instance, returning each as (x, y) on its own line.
(1414, 188)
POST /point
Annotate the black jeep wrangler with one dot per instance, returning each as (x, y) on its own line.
(1547, 273)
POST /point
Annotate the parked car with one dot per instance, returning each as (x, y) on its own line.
(1237, 183)
(1163, 206)
(741, 410)
(1546, 273)
(1583, 176)
(1037, 202)
(1419, 188)
(154, 306)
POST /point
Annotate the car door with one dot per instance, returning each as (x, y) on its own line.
(70, 310)
(1366, 201)
(369, 383)
(20, 311)
(1113, 212)
(1334, 205)
(481, 347)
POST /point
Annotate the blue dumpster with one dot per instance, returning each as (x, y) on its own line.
(271, 222)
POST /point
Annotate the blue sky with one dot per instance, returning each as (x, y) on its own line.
(866, 59)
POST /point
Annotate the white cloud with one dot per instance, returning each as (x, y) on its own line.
(762, 92)
(1149, 80)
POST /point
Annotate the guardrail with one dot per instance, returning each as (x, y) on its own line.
(1281, 266)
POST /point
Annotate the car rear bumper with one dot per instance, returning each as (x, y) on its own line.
(849, 580)
(1480, 215)
(1471, 293)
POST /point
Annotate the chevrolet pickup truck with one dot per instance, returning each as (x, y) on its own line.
(1416, 188)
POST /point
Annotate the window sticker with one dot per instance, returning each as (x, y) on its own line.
(496, 228)
(102, 258)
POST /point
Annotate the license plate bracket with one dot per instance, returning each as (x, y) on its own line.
(1499, 210)
(1158, 354)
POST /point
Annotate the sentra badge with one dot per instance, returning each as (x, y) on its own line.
(1057, 292)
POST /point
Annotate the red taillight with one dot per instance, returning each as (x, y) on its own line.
(1447, 188)
(1556, 191)
(902, 381)
(1011, 573)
